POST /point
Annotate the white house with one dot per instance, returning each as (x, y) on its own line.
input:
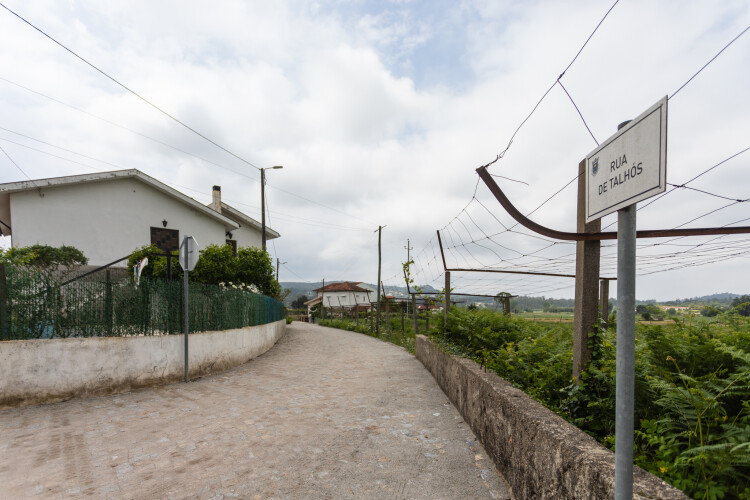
(342, 295)
(107, 215)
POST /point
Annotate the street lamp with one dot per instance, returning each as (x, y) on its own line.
(263, 202)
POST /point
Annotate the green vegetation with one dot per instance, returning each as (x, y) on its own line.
(403, 338)
(35, 306)
(217, 265)
(692, 389)
(44, 256)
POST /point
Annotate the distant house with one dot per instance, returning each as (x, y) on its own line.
(348, 295)
(107, 215)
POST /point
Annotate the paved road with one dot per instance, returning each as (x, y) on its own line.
(324, 414)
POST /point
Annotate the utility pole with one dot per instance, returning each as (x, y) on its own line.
(408, 248)
(277, 267)
(379, 231)
(322, 296)
(263, 203)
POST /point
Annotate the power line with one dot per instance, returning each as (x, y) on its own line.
(709, 62)
(579, 112)
(16, 164)
(102, 72)
(533, 110)
(123, 127)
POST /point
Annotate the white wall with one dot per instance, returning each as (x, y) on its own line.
(247, 236)
(331, 299)
(105, 220)
(46, 370)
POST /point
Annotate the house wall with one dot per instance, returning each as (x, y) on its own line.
(47, 370)
(105, 220)
(247, 236)
(331, 299)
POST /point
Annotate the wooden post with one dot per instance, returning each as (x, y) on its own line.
(4, 323)
(506, 305)
(388, 319)
(380, 231)
(403, 329)
(414, 313)
(427, 317)
(587, 281)
(322, 296)
(604, 302)
(447, 297)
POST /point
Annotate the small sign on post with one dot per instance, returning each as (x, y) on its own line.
(630, 166)
(189, 254)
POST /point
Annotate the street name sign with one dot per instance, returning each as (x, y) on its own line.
(630, 166)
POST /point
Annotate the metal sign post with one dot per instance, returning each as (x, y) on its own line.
(625, 357)
(188, 258)
(629, 167)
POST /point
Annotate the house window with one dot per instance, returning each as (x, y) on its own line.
(233, 244)
(343, 299)
(164, 239)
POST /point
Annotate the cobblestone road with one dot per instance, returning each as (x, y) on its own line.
(324, 414)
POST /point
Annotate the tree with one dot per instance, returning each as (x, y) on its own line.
(157, 263)
(48, 257)
(709, 311)
(741, 305)
(254, 267)
(299, 302)
(217, 264)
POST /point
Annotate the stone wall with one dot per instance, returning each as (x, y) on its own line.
(539, 454)
(47, 370)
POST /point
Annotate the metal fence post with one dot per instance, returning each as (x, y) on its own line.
(185, 308)
(625, 372)
(108, 305)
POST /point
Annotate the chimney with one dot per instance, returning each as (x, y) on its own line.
(216, 205)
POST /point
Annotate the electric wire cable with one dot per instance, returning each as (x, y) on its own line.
(128, 89)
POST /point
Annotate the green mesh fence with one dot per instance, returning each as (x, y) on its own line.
(34, 305)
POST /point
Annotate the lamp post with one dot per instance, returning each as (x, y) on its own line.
(263, 202)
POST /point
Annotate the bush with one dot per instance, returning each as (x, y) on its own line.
(217, 264)
(45, 256)
(692, 392)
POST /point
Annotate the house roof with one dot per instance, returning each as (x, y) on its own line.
(52, 182)
(241, 219)
(346, 286)
(314, 302)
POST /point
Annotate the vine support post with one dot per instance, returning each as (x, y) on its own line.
(447, 298)
(586, 310)
(414, 314)
(604, 303)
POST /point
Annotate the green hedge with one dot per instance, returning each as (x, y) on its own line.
(34, 304)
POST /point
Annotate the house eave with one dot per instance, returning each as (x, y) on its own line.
(53, 182)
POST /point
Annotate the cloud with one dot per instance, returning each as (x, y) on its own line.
(382, 111)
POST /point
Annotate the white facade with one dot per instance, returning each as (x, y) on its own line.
(109, 215)
(347, 299)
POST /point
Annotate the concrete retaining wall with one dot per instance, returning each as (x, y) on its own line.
(43, 371)
(539, 454)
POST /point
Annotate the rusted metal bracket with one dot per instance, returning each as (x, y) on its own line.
(609, 235)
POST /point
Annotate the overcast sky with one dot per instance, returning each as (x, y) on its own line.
(380, 112)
